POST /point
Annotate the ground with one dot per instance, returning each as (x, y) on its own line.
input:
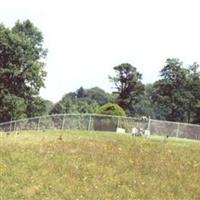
(92, 165)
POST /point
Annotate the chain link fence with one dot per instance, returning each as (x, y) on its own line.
(94, 122)
(174, 129)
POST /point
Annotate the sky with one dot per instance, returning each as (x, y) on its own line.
(86, 39)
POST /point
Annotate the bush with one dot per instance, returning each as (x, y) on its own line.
(111, 109)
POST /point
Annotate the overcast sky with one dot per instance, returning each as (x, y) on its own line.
(87, 38)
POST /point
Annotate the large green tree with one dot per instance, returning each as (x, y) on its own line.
(169, 91)
(21, 69)
(177, 93)
(128, 86)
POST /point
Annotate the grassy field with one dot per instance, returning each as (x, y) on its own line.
(82, 165)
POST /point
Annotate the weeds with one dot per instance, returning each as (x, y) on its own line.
(82, 165)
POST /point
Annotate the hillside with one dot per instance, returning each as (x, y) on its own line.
(86, 165)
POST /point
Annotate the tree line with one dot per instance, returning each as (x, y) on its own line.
(175, 96)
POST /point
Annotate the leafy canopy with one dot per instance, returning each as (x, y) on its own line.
(177, 93)
(128, 86)
(21, 68)
(82, 101)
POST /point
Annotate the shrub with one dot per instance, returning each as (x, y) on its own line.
(111, 109)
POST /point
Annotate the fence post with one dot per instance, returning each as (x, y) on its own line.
(38, 124)
(177, 130)
(89, 123)
(63, 122)
(149, 123)
(118, 122)
(11, 126)
(14, 126)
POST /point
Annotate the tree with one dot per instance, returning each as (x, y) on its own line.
(35, 107)
(58, 108)
(170, 93)
(145, 106)
(82, 101)
(99, 95)
(128, 85)
(12, 107)
(85, 106)
(81, 93)
(48, 106)
(21, 68)
(193, 90)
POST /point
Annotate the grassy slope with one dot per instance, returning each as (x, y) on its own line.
(39, 165)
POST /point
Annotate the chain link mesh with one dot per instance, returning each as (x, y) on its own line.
(95, 122)
(175, 129)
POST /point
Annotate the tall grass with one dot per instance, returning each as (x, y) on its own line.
(82, 165)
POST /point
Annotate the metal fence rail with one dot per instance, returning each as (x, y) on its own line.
(94, 122)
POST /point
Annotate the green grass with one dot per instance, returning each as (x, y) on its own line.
(88, 165)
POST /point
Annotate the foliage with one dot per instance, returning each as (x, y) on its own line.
(145, 107)
(12, 107)
(169, 91)
(97, 166)
(99, 95)
(128, 86)
(82, 101)
(35, 107)
(111, 109)
(48, 106)
(59, 108)
(193, 89)
(21, 68)
(177, 94)
(81, 93)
